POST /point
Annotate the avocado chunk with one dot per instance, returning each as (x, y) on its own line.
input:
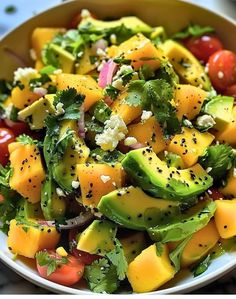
(158, 35)
(174, 160)
(221, 109)
(156, 178)
(36, 113)
(185, 64)
(132, 23)
(101, 111)
(53, 206)
(134, 209)
(76, 152)
(98, 237)
(29, 210)
(133, 245)
(65, 58)
(195, 219)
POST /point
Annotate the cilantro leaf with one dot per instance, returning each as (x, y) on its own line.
(111, 92)
(135, 93)
(108, 157)
(51, 262)
(38, 82)
(49, 57)
(166, 72)
(193, 30)
(202, 266)
(159, 248)
(25, 139)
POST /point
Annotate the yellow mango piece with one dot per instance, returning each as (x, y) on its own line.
(190, 145)
(230, 187)
(148, 133)
(97, 180)
(126, 112)
(228, 135)
(27, 240)
(84, 84)
(148, 271)
(140, 50)
(84, 67)
(189, 100)
(28, 173)
(38, 65)
(225, 218)
(22, 98)
(41, 36)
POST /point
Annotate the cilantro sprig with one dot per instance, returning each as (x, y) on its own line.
(51, 262)
(194, 31)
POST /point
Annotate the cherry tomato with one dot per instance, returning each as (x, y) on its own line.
(65, 274)
(83, 256)
(6, 137)
(204, 46)
(231, 91)
(18, 127)
(215, 194)
(222, 69)
(2, 123)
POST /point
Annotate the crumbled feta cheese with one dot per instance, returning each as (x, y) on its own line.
(57, 72)
(75, 184)
(114, 184)
(114, 131)
(113, 39)
(234, 173)
(24, 75)
(85, 13)
(118, 84)
(220, 75)
(40, 91)
(105, 178)
(59, 109)
(209, 191)
(33, 55)
(187, 123)
(165, 153)
(100, 52)
(130, 141)
(209, 169)
(80, 54)
(146, 115)
(205, 121)
(124, 69)
(60, 192)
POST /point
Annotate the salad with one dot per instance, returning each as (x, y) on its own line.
(117, 153)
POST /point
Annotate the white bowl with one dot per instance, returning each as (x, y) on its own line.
(174, 15)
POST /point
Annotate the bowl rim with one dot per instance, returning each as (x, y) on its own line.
(57, 288)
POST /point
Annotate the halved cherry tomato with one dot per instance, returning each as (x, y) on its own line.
(215, 194)
(231, 91)
(18, 127)
(83, 256)
(6, 137)
(204, 46)
(65, 274)
(222, 69)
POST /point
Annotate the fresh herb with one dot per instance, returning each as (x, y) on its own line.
(219, 159)
(193, 30)
(111, 92)
(38, 82)
(146, 72)
(93, 126)
(49, 57)
(5, 91)
(155, 96)
(159, 248)
(122, 61)
(25, 139)
(51, 262)
(202, 266)
(10, 9)
(47, 70)
(166, 72)
(101, 111)
(107, 157)
(14, 114)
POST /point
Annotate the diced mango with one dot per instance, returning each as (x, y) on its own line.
(27, 240)
(189, 100)
(148, 133)
(97, 180)
(225, 218)
(126, 112)
(84, 84)
(148, 271)
(28, 173)
(22, 98)
(190, 145)
(230, 187)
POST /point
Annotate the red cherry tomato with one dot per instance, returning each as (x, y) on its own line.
(18, 127)
(222, 69)
(215, 194)
(6, 137)
(2, 123)
(65, 274)
(83, 256)
(231, 91)
(204, 46)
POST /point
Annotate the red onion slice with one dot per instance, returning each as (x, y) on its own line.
(136, 145)
(107, 73)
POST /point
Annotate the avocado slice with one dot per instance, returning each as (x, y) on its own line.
(221, 109)
(133, 245)
(133, 23)
(36, 113)
(134, 209)
(65, 58)
(53, 206)
(98, 237)
(29, 210)
(195, 219)
(76, 152)
(174, 160)
(185, 64)
(156, 178)
(158, 35)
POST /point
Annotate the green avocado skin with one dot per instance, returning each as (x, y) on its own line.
(141, 165)
(182, 228)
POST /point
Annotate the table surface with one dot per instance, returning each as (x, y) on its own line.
(11, 283)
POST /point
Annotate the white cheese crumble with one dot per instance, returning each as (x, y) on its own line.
(234, 173)
(75, 184)
(40, 91)
(205, 121)
(57, 72)
(100, 52)
(220, 75)
(146, 115)
(59, 109)
(187, 123)
(114, 131)
(123, 69)
(113, 39)
(209, 169)
(105, 178)
(85, 13)
(33, 55)
(60, 192)
(130, 141)
(24, 75)
(118, 84)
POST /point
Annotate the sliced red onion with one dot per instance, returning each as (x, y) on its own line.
(107, 73)
(80, 220)
(137, 145)
(81, 123)
(40, 91)
(20, 61)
